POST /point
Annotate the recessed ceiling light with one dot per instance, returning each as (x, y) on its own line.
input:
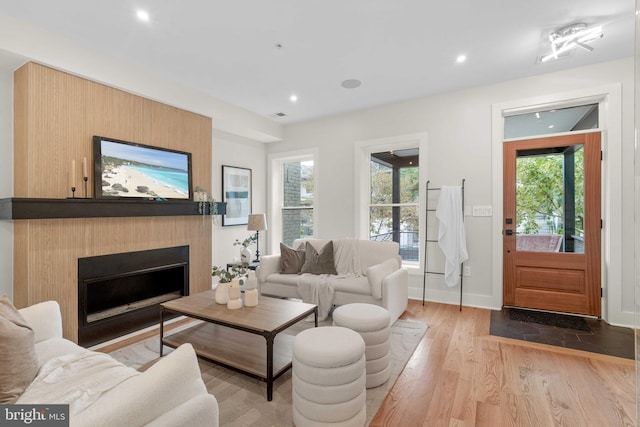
(461, 58)
(551, 126)
(142, 15)
(293, 98)
(351, 83)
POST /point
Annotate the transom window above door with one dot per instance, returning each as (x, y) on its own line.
(546, 122)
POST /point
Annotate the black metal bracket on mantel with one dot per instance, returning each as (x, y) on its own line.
(27, 208)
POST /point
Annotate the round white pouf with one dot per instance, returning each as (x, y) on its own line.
(372, 323)
(328, 378)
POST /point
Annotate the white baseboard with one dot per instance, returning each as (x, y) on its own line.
(453, 297)
(623, 319)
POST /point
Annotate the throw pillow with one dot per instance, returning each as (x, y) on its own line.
(17, 353)
(291, 260)
(377, 273)
(319, 262)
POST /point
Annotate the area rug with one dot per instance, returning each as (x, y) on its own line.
(243, 400)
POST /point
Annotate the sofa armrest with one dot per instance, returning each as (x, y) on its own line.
(395, 293)
(377, 273)
(171, 382)
(269, 264)
(45, 320)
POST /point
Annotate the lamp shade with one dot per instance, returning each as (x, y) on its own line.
(257, 222)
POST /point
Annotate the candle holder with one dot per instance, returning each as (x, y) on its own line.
(86, 179)
(73, 192)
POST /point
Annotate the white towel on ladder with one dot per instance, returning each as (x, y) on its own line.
(451, 237)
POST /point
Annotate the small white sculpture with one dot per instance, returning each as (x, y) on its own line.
(234, 295)
(251, 293)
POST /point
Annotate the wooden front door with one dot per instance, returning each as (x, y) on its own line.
(552, 224)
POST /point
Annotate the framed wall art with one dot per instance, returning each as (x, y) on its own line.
(236, 192)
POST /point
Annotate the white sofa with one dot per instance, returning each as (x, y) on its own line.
(170, 393)
(368, 272)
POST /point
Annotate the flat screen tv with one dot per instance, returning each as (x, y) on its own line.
(129, 170)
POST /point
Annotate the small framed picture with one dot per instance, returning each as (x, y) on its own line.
(236, 192)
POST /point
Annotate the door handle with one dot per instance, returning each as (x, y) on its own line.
(508, 232)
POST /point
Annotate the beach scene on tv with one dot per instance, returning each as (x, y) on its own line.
(134, 171)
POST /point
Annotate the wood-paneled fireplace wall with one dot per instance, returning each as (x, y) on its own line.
(55, 116)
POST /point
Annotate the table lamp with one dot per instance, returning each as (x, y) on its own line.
(257, 223)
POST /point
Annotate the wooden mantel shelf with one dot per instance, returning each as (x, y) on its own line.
(26, 208)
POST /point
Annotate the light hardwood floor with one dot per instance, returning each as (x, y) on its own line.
(461, 376)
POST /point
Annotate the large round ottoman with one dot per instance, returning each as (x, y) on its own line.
(372, 323)
(328, 378)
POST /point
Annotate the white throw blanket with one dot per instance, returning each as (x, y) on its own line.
(317, 289)
(451, 236)
(77, 379)
(347, 258)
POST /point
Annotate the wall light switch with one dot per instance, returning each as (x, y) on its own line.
(482, 210)
(466, 271)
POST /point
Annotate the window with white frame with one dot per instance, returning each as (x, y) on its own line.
(294, 192)
(394, 199)
(297, 195)
(389, 193)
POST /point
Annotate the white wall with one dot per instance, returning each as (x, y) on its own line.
(459, 132)
(6, 180)
(232, 150)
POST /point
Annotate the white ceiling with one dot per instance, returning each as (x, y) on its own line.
(399, 49)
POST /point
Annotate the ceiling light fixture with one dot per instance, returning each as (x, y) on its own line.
(293, 98)
(461, 58)
(569, 38)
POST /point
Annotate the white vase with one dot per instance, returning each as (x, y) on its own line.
(251, 298)
(222, 293)
(245, 255)
(252, 281)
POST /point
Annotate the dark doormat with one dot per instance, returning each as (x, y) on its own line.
(550, 319)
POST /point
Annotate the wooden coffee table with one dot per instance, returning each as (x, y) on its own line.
(231, 338)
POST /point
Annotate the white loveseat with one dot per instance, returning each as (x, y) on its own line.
(104, 392)
(367, 272)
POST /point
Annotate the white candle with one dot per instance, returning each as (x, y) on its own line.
(84, 167)
(72, 176)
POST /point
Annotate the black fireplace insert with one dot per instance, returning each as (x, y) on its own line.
(121, 293)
